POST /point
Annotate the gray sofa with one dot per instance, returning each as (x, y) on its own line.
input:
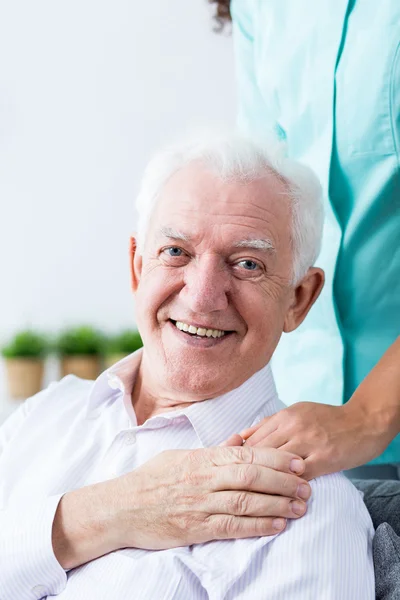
(382, 498)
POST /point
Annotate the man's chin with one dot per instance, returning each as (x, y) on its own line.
(197, 383)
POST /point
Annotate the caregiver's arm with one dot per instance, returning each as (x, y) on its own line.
(334, 438)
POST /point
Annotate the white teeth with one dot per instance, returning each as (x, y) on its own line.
(200, 331)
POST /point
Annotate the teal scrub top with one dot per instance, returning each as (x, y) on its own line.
(325, 74)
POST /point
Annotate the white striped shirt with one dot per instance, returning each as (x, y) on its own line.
(78, 432)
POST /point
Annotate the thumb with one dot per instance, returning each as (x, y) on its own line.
(234, 440)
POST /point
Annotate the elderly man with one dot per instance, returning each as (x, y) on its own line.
(115, 489)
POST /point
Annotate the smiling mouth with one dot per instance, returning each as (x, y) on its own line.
(199, 332)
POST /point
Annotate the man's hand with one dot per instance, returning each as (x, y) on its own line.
(188, 497)
(329, 438)
(182, 497)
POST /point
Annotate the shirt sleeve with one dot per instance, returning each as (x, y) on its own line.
(29, 569)
(328, 552)
(16, 419)
(255, 114)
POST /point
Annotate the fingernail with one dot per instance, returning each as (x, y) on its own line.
(296, 465)
(278, 524)
(234, 440)
(297, 507)
(304, 491)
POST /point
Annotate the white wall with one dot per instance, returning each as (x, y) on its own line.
(88, 90)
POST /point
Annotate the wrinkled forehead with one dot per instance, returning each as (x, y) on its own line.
(195, 198)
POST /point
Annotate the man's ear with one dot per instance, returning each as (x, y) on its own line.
(135, 261)
(304, 295)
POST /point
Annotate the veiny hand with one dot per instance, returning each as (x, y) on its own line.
(181, 497)
(184, 497)
(329, 438)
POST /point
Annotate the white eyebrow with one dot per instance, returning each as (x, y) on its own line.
(174, 234)
(257, 244)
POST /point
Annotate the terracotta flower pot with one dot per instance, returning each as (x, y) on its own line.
(111, 359)
(24, 376)
(84, 366)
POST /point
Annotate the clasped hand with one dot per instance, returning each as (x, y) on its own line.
(183, 497)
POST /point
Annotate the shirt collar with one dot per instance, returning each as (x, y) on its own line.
(120, 378)
(213, 420)
(217, 419)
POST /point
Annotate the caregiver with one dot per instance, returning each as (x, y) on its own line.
(325, 76)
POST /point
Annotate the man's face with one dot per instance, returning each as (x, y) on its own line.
(202, 267)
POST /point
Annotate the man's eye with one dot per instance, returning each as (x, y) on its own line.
(173, 251)
(248, 265)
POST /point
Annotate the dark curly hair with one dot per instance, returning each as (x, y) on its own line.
(222, 12)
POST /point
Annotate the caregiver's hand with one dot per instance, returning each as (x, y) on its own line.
(179, 498)
(335, 438)
(329, 438)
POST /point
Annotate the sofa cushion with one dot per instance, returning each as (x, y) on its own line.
(382, 498)
(386, 551)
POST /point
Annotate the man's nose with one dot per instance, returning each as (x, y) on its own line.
(206, 286)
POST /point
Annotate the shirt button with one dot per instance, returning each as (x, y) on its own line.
(40, 591)
(130, 438)
(115, 382)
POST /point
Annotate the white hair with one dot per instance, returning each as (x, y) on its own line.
(236, 157)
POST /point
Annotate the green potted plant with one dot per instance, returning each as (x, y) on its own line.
(79, 349)
(118, 346)
(24, 361)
